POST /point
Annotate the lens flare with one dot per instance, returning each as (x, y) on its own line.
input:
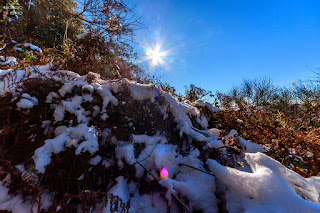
(159, 136)
(164, 173)
(156, 55)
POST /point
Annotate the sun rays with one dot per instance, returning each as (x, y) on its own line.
(155, 55)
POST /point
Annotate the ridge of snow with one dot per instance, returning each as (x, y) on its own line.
(266, 189)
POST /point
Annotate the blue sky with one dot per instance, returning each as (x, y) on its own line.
(215, 44)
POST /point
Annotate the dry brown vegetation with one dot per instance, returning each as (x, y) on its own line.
(282, 143)
(286, 129)
(22, 134)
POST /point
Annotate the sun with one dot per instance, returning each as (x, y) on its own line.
(156, 55)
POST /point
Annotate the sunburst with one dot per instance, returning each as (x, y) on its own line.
(155, 55)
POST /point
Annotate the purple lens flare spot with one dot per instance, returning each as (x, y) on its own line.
(164, 173)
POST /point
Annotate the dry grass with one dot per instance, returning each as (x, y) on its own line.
(269, 130)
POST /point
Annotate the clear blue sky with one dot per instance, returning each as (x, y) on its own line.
(215, 44)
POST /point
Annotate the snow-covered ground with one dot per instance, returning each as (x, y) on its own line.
(262, 185)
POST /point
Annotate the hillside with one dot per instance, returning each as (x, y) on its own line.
(71, 142)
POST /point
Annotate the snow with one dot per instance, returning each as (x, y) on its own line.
(203, 122)
(161, 156)
(315, 181)
(247, 146)
(198, 187)
(11, 78)
(184, 124)
(143, 92)
(27, 102)
(91, 144)
(206, 104)
(73, 107)
(185, 128)
(9, 61)
(240, 121)
(266, 189)
(34, 47)
(107, 97)
(67, 138)
(120, 189)
(107, 163)
(94, 161)
(213, 132)
(16, 204)
(149, 139)
(50, 97)
(66, 88)
(146, 203)
(12, 203)
(125, 152)
(88, 88)
(262, 185)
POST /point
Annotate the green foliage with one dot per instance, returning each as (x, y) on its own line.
(295, 162)
(29, 56)
(54, 26)
(46, 25)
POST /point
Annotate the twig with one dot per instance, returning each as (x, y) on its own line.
(184, 205)
(199, 131)
(147, 170)
(151, 151)
(197, 169)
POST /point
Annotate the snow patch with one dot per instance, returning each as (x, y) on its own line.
(267, 189)
(68, 138)
(27, 102)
